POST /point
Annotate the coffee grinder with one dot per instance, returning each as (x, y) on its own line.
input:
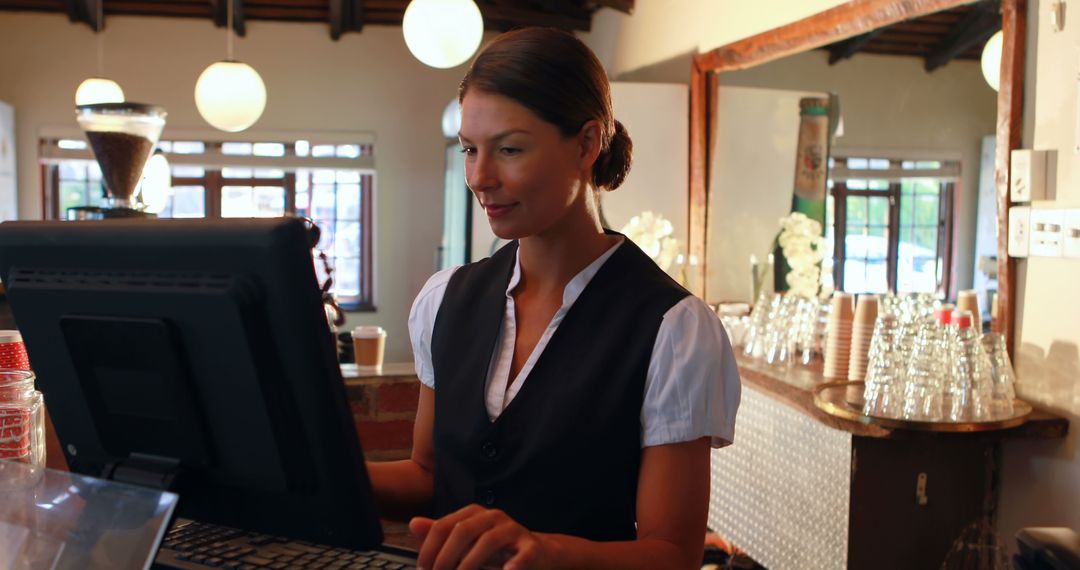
(122, 136)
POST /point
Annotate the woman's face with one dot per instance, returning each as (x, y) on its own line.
(525, 174)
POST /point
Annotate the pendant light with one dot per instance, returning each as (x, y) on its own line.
(99, 89)
(991, 60)
(442, 33)
(451, 119)
(229, 94)
(156, 186)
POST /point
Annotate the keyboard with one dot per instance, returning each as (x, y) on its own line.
(194, 545)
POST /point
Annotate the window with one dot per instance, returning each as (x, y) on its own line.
(890, 222)
(333, 184)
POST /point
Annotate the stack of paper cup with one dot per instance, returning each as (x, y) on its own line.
(968, 300)
(838, 343)
(862, 332)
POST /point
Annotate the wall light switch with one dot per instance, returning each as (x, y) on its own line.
(1071, 239)
(1046, 232)
(1019, 231)
(1027, 175)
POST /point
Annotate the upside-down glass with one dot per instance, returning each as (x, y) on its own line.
(1001, 372)
(884, 389)
(924, 389)
(781, 335)
(764, 311)
(969, 389)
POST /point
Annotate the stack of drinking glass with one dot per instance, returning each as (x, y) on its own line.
(929, 362)
(783, 329)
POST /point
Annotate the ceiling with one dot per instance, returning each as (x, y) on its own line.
(937, 39)
(340, 16)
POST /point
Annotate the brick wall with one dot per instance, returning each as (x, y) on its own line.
(384, 409)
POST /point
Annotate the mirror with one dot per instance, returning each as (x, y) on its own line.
(910, 200)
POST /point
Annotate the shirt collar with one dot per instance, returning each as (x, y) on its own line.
(577, 284)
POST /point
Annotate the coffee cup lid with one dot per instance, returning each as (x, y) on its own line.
(368, 332)
(10, 336)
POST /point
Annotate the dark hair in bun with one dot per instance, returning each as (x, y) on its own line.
(557, 77)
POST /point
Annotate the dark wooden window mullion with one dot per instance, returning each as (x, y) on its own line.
(290, 192)
(367, 299)
(213, 193)
(945, 236)
(50, 191)
(894, 236)
(839, 233)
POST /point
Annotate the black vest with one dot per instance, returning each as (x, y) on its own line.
(564, 455)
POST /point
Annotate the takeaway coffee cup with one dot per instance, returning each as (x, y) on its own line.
(368, 344)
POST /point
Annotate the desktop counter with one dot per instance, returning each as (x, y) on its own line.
(803, 489)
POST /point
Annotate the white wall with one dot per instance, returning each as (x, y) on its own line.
(1041, 480)
(891, 103)
(657, 118)
(757, 133)
(365, 82)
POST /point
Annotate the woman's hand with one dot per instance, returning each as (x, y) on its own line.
(474, 538)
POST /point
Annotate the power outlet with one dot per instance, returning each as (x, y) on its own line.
(1027, 175)
(1019, 231)
(1071, 237)
(1047, 235)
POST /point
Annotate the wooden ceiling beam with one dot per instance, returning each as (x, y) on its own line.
(624, 6)
(221, 15)
(564, 7)
(506, 17)
(345, 16)
(981, 22)
(847, 48)
(84, 11)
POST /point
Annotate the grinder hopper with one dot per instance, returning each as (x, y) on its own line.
(122, 136)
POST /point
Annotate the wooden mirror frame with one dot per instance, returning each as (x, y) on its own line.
(840, 23)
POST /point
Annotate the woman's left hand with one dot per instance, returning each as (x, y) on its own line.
(474, 538)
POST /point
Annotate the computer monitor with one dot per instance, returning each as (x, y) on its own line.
(195, 355)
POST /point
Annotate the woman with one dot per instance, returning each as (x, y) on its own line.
(571, 390)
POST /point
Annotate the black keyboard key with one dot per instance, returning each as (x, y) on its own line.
(305, 548)
(214, 561)
(256, 560)
(199, 558)
(278, 566)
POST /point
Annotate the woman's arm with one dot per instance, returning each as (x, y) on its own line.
(672, 505)
(404, 489)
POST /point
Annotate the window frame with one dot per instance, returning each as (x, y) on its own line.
(946, 177)
(213, 160)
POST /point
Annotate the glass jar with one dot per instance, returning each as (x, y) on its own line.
(22, 419)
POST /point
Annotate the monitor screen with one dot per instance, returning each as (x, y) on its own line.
(194, 354)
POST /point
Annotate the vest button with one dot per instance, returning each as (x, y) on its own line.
(488, 498)
(489, 450)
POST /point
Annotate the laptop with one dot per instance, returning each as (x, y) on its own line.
(195, 356)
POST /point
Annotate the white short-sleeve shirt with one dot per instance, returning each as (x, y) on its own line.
(692, 387)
